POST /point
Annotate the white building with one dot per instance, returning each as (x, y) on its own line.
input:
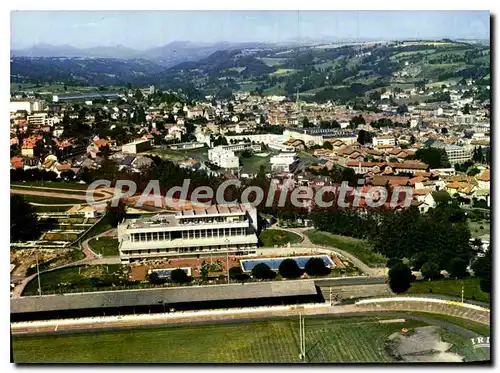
(284, 162)
(224, 155)
(215, 230)
(223, 158)
(136, 146)
(42, 119)
(458, 154)
(384, 140)
(27, 105)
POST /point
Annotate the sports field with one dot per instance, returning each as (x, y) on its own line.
(333, 339)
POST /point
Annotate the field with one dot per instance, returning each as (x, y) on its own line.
(453, 288)
(334, 339)
(252, 164)
(107, 246)
(79, 278)
(271, 237)
(359, 248)
(51, 200)
(476, 230)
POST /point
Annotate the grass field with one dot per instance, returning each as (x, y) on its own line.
(271, 237)
(107, 246)
(79, 278)
(252, 164)
(475, 227)
(41, 209)
(334, 339)
(359, 248)
(51, 200)
(452, 287)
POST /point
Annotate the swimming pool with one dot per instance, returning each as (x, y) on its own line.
(274, 263)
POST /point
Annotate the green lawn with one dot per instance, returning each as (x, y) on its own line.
(107, 246)
(475, 227)
(41, 209)
(452, 287)
(80, 278)
(51, 200)
(101, 226)
(252, 164)
(332, 339)
(361, 249)
(271, 237)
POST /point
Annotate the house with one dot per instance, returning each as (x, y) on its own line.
(483, 179)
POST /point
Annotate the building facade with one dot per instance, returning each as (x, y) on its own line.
(214, 230)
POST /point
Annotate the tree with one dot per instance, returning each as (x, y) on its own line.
(24, 224)
(316, 267)
(306, 123)
(400, 278)
(262, 271)
(393, 261)
(466, 109)
(154, 278)
(115, 214)
(435, 158)
(179, 276)
(430, 270)
(230, 107)
(289, 269)
(204, 271)
(364, 137)
(236, 273)
(138, 95)
(457, 267)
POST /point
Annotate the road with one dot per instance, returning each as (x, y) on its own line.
(306, 242)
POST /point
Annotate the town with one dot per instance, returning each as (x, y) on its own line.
(216, 200)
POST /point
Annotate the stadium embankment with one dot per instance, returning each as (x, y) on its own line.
(431, 305)
(395, 304)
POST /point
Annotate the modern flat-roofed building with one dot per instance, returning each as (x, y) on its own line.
(284, 162)
(224, 155)
(216, 229)
(458, 154)
(136, 146)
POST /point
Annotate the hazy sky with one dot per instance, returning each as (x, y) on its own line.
(143, 29)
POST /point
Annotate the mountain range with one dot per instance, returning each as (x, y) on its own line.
(167, 55)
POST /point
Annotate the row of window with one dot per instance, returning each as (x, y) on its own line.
(185, 249)
(192, 234)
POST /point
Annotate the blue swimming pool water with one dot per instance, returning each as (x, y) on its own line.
(274, 263)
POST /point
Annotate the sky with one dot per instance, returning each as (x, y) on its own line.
(146, 29)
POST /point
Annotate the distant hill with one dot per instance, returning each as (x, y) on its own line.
(336, 71)
(167, 55)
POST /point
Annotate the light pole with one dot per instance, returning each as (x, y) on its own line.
(38, 275)
(462, 293)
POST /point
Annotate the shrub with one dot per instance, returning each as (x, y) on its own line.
(262, 271)
(316, 267)
(289, 269)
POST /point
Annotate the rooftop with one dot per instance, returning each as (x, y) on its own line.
(145, 297)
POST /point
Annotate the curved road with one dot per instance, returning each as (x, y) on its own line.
(306, 242)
